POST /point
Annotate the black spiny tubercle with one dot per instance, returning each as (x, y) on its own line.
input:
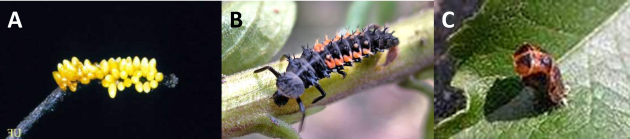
(320, 61)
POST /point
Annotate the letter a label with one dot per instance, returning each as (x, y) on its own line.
(15, 19)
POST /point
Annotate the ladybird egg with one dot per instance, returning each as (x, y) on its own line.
(99, 74)
(150, 76)
(135, 79)
(112, 64)
(87, 62)
(146, 87)
(120, 86)
(112, 91)
(74, 60)
(123, 75)
(139, 87)
(108, 79)
(127, 82)
(90, 76)
(115, 74)
(105, 84)
(159, 77)
(59, 67)
(104, 67)
(85, 68)
(154, 84)
(121, 64)
(85, 80)
(73, 87)
(63, 86)
(136, 62)
(152, 62)
(57, 76)
(138, 73)
(129, 68)
(144, 66)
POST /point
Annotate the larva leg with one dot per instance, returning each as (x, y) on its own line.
(343, 73)
(268, 68)
(299, 101)
(321, 91)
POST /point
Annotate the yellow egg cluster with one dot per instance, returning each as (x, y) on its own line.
(115, 74)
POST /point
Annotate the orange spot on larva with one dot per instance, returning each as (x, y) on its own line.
(356, 54)
(339, 62)
(318, 47)
(327, 40)
(330, 64)
(366, 51)
(347, 58)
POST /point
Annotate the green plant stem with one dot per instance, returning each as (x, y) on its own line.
(246, 103)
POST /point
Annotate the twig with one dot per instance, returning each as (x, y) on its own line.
(48, 105)
(57, 95)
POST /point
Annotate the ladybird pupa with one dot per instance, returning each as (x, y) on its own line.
(537, 69)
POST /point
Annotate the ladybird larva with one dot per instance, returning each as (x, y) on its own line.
(537, 69)
(320, 61)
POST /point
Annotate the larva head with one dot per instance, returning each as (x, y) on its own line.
(279, 99)
(290, 85)
(392, 42)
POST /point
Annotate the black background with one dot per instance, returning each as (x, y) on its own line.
(184, 37)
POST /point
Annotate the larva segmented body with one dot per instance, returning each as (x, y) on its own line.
(330, 55)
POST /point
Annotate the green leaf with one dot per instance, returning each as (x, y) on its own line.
(246, 96)
(588, 41)
(358, 13)
(386, 11)
(266, 27)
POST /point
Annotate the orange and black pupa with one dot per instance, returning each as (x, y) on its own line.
(538, 70)
(330, 55)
